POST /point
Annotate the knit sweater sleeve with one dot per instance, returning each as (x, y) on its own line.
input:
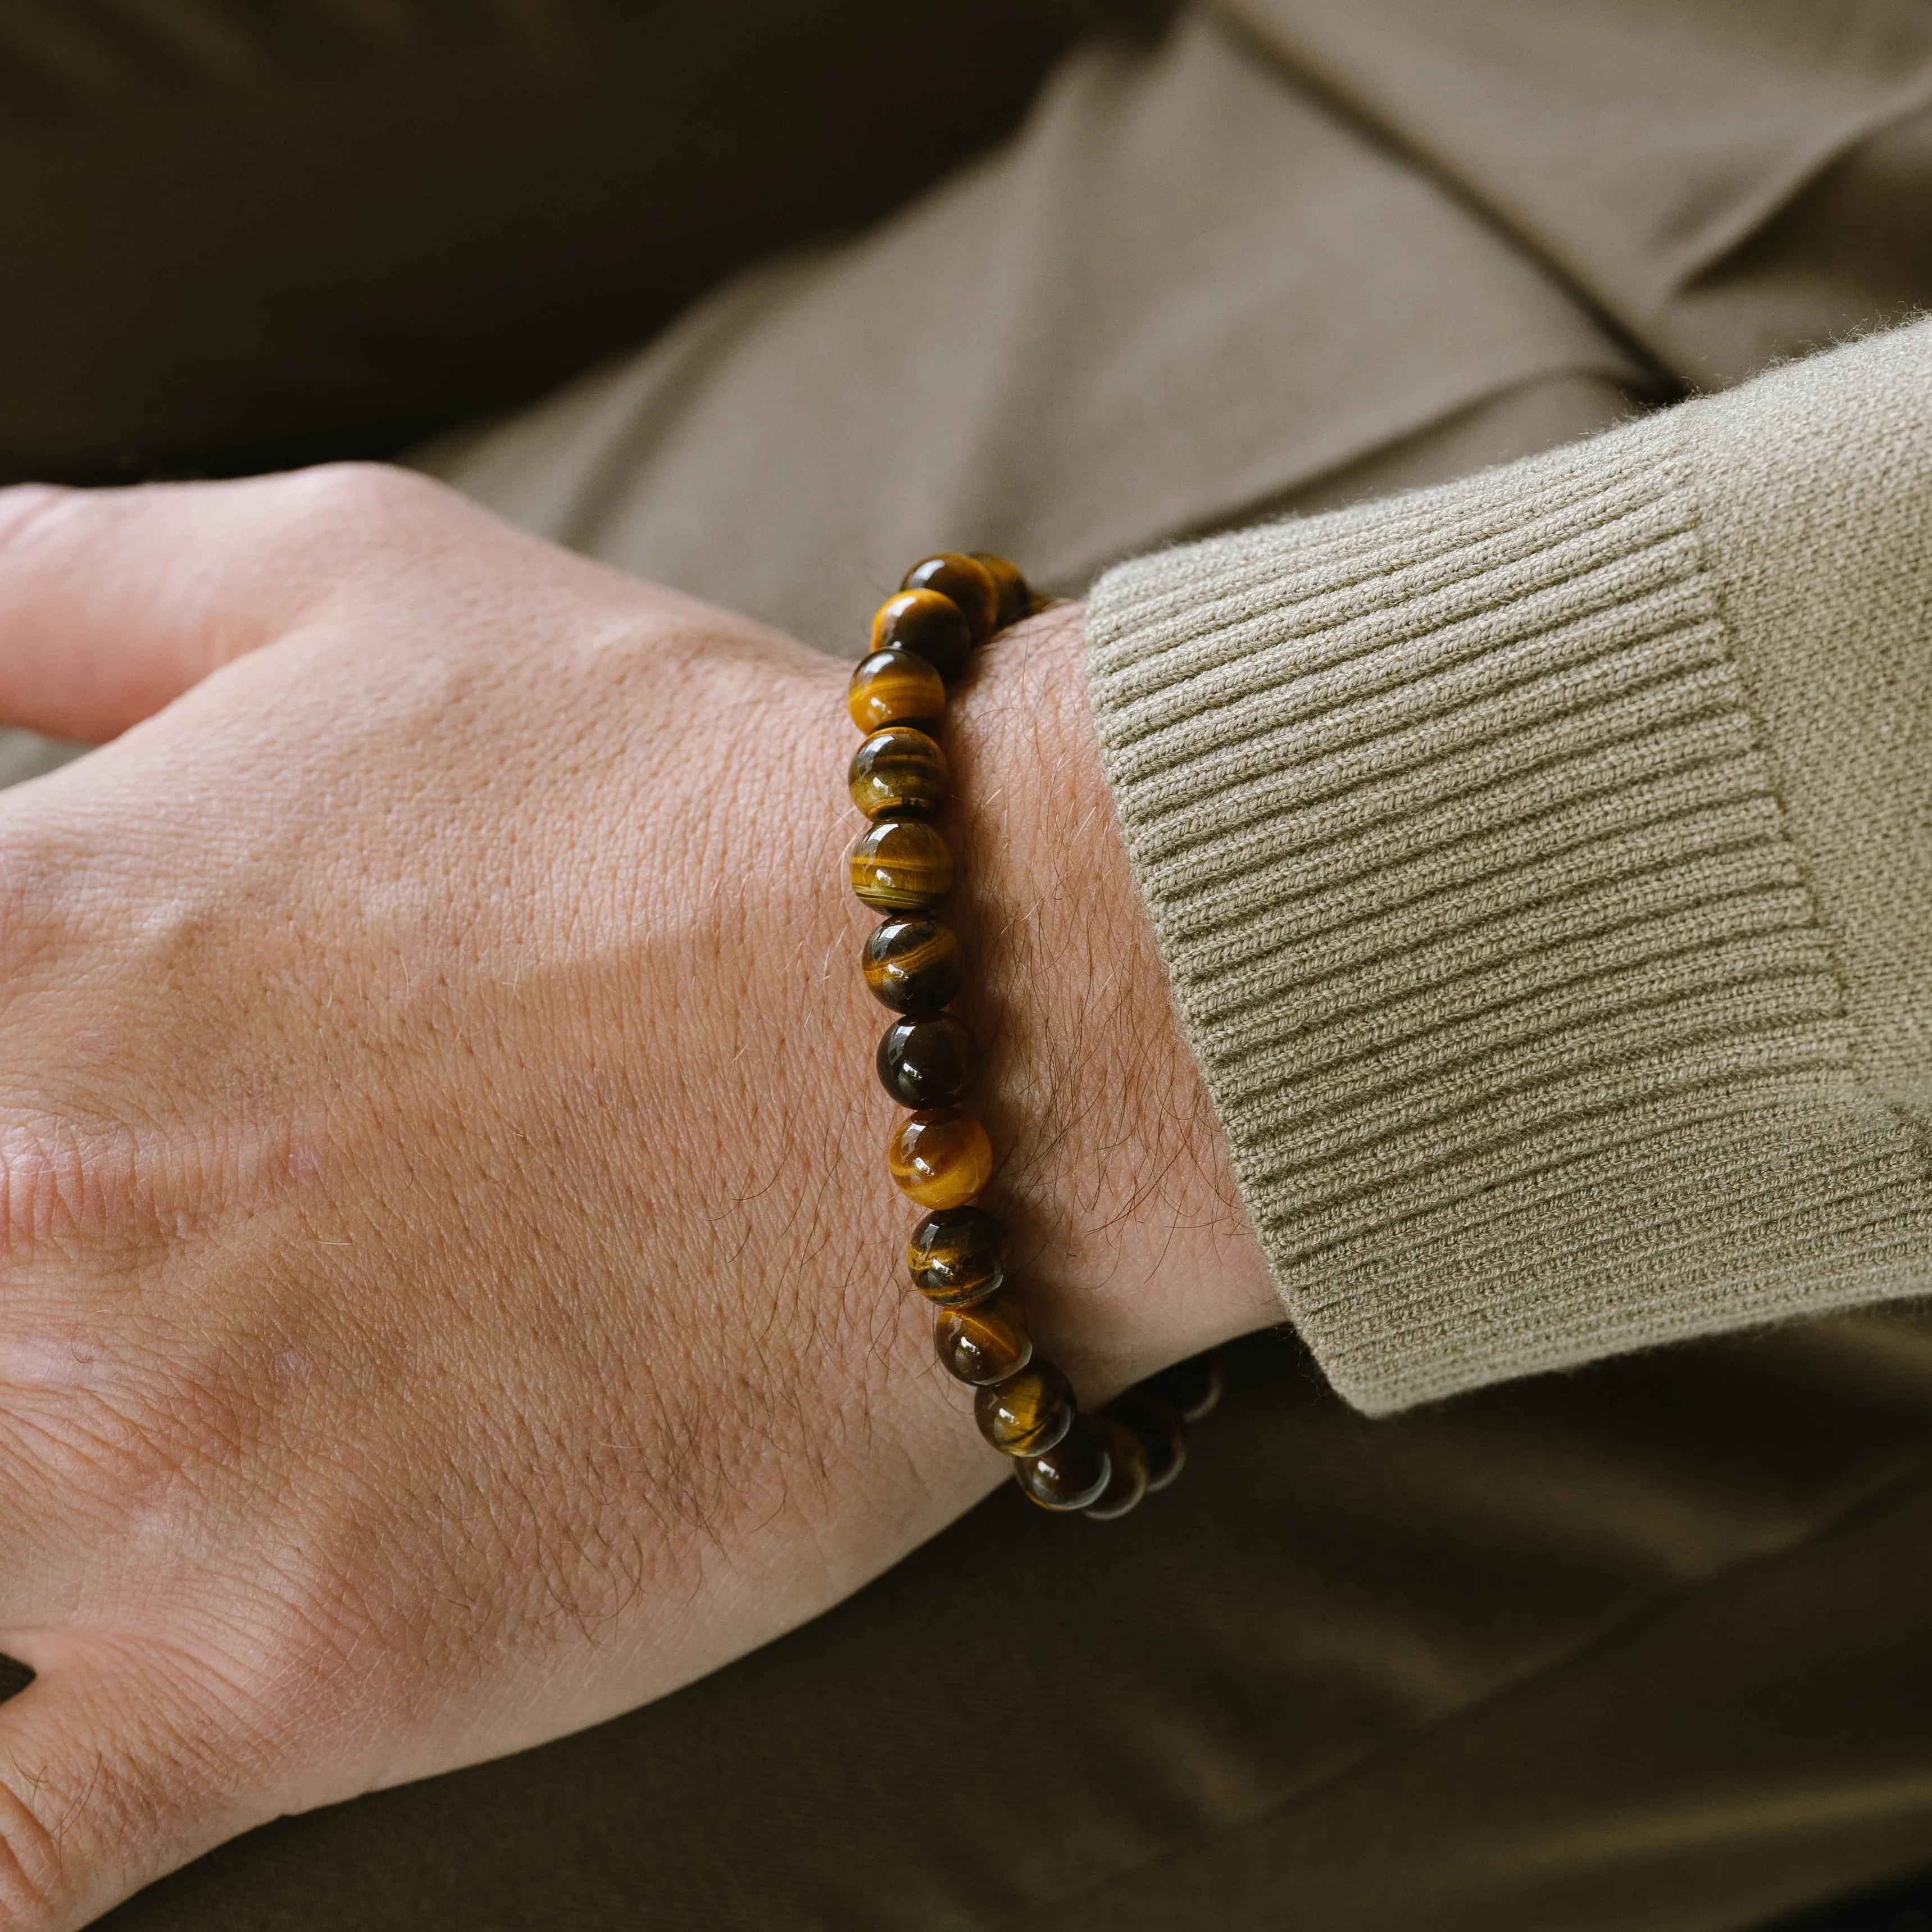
(1543, 864)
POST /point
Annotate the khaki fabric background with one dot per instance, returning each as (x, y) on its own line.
(1642, 1648)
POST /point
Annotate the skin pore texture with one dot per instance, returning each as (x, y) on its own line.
(453, 1292)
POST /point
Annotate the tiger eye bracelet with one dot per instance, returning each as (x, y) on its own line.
(923, 636)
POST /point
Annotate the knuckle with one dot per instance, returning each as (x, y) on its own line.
(366, 501)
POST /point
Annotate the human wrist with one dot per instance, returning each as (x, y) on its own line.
(1115, 1178)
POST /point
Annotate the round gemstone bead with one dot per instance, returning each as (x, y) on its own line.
(957, 1256)
(940, 1158)
(1193, 1386)
(967, 582)
(901, 865)
(1161, 1435)
(986, 1343)
(1027, 1413)
(898, 772)
(928, 625)
(895, 688)
(1073, 1475)
(913, 965)
(1128, 1482)
(1015, 597)
(929, 1062)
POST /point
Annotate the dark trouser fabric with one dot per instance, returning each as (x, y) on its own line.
(1640, 1649)
(247, 233)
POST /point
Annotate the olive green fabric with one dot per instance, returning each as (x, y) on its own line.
(256, 232)
(1189, 288)
(1727, 182)
(1638, 1647)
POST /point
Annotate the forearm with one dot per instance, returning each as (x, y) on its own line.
(1115, 1174)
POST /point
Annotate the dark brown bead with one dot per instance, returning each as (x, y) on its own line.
(958, 1257)
(1193, 1386)
(1027, 1413)
(940, 1157)
(967, 582)
(1163, 1435)
(1015, 597)
(901, 865)
(1129, 1481)
(1071, 1476)
(898, 772)
(913, 965)
(928, 625)
(895, 688)
(986, 1343)
(927, 1063)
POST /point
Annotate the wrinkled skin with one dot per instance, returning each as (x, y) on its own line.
(450, 1281)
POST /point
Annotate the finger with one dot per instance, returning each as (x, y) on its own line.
(112, 602)
(114, 1770)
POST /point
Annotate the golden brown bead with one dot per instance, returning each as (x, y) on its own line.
(928, 625)
(1027, 1413)
(1128, 1483)
(1193, 1386)
(901, 865)
(1162, 1434)
(941, 1158)
(1015, 597)
(913, 965)
(986, 1343)
(1072, 1475)
(967, 582)
(898, 772)
(895, 688)
(929, 1062)
(958, 1257)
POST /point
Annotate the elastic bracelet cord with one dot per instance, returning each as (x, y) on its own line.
(923, 638)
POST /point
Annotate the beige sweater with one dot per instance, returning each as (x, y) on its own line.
(1543, 865)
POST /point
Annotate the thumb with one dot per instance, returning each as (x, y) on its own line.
(110, 1776)
(113, 602)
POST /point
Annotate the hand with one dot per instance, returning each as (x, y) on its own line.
(452, 1290)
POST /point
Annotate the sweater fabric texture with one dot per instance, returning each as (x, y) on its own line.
(1543, 864)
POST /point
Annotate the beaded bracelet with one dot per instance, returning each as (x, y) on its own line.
(939, 1154)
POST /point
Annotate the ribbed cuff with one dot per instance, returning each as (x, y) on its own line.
(1485, 931)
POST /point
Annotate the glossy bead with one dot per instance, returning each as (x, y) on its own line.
(1027, 1413)
(1129, 1481)
(967, 582)
(1015, 597)
(913, 965)
(901, 865)
(1161, 1435)
(957, 1256)
(986, 1343)
(897, 772)
(941, 1158)
(928, 625)
(895, 688)
(1071, 1476)
(1193, 1386)
(929, 1062)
